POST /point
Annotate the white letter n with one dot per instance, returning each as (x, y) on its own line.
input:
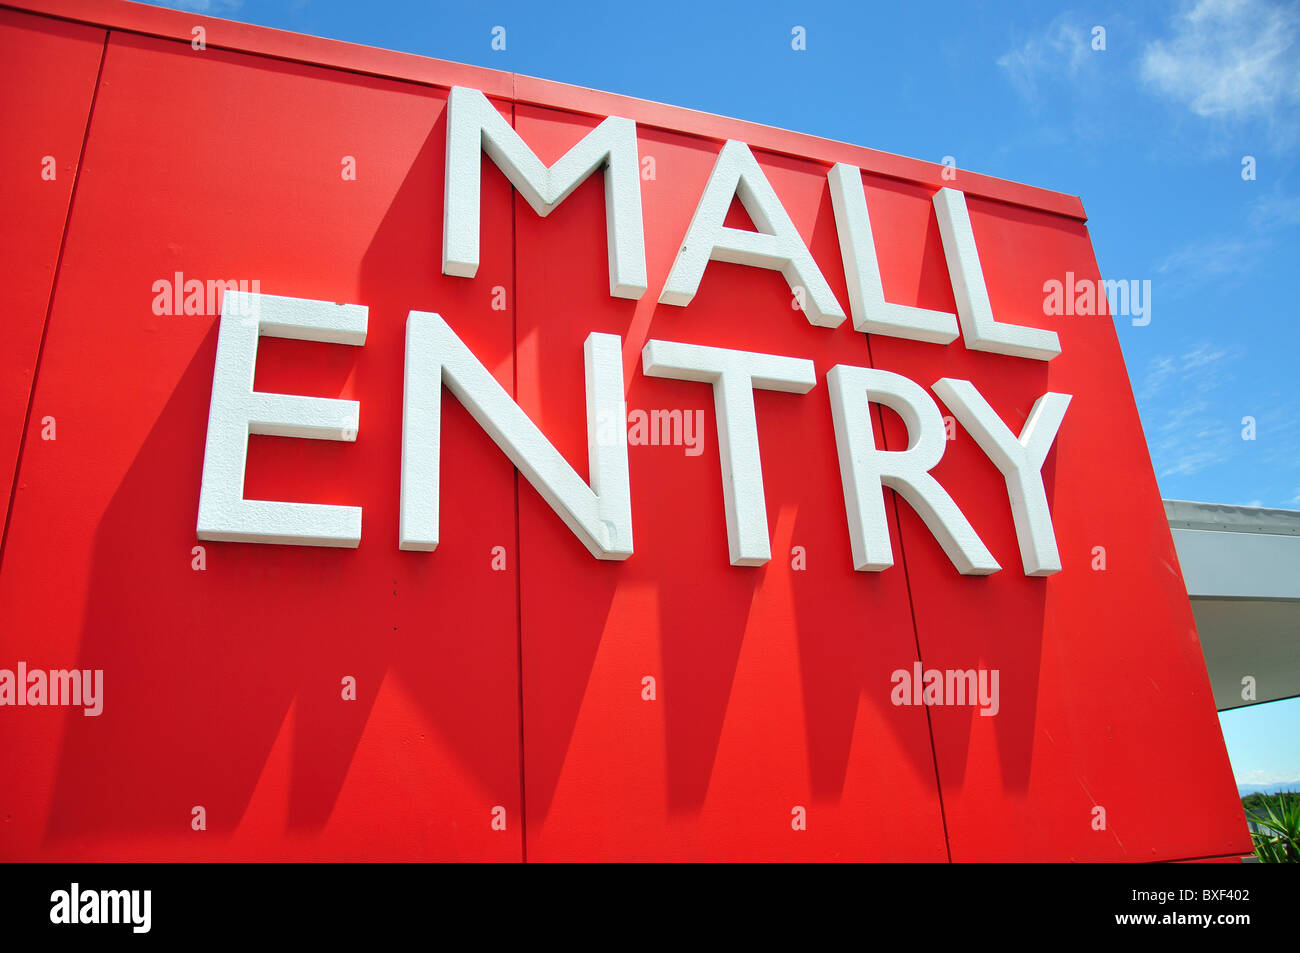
(600, 515)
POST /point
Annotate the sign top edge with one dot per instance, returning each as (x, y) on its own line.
(167, 23)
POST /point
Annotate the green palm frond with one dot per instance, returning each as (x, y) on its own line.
(1278, 841)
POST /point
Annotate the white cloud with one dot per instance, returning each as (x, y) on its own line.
(1230, 59)
(1059, 53)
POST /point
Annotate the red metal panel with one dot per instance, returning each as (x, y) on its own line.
(47, 72)
(765, 678)
(150, 20)
(1105, 701)
(223, 686)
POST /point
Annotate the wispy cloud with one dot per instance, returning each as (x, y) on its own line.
(1233, 258)
(1206, 260)
(1270, 777)
(1059, 53)
(1231, 59)
(1275, 210)
(1200, 368)
(1186, 428)
(1191, 439)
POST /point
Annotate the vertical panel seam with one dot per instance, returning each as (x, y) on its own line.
(916, 634)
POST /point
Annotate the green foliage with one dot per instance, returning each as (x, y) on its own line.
(1278, 816)
(1254, 803)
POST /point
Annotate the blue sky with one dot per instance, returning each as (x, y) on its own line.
(1262, 742)
(1151, 132)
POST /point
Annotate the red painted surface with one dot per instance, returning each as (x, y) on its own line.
(1104, 693)
(765, 677)
(521, 688)
(48, 70)
(223, 686)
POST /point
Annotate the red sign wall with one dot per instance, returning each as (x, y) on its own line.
(502, 709)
